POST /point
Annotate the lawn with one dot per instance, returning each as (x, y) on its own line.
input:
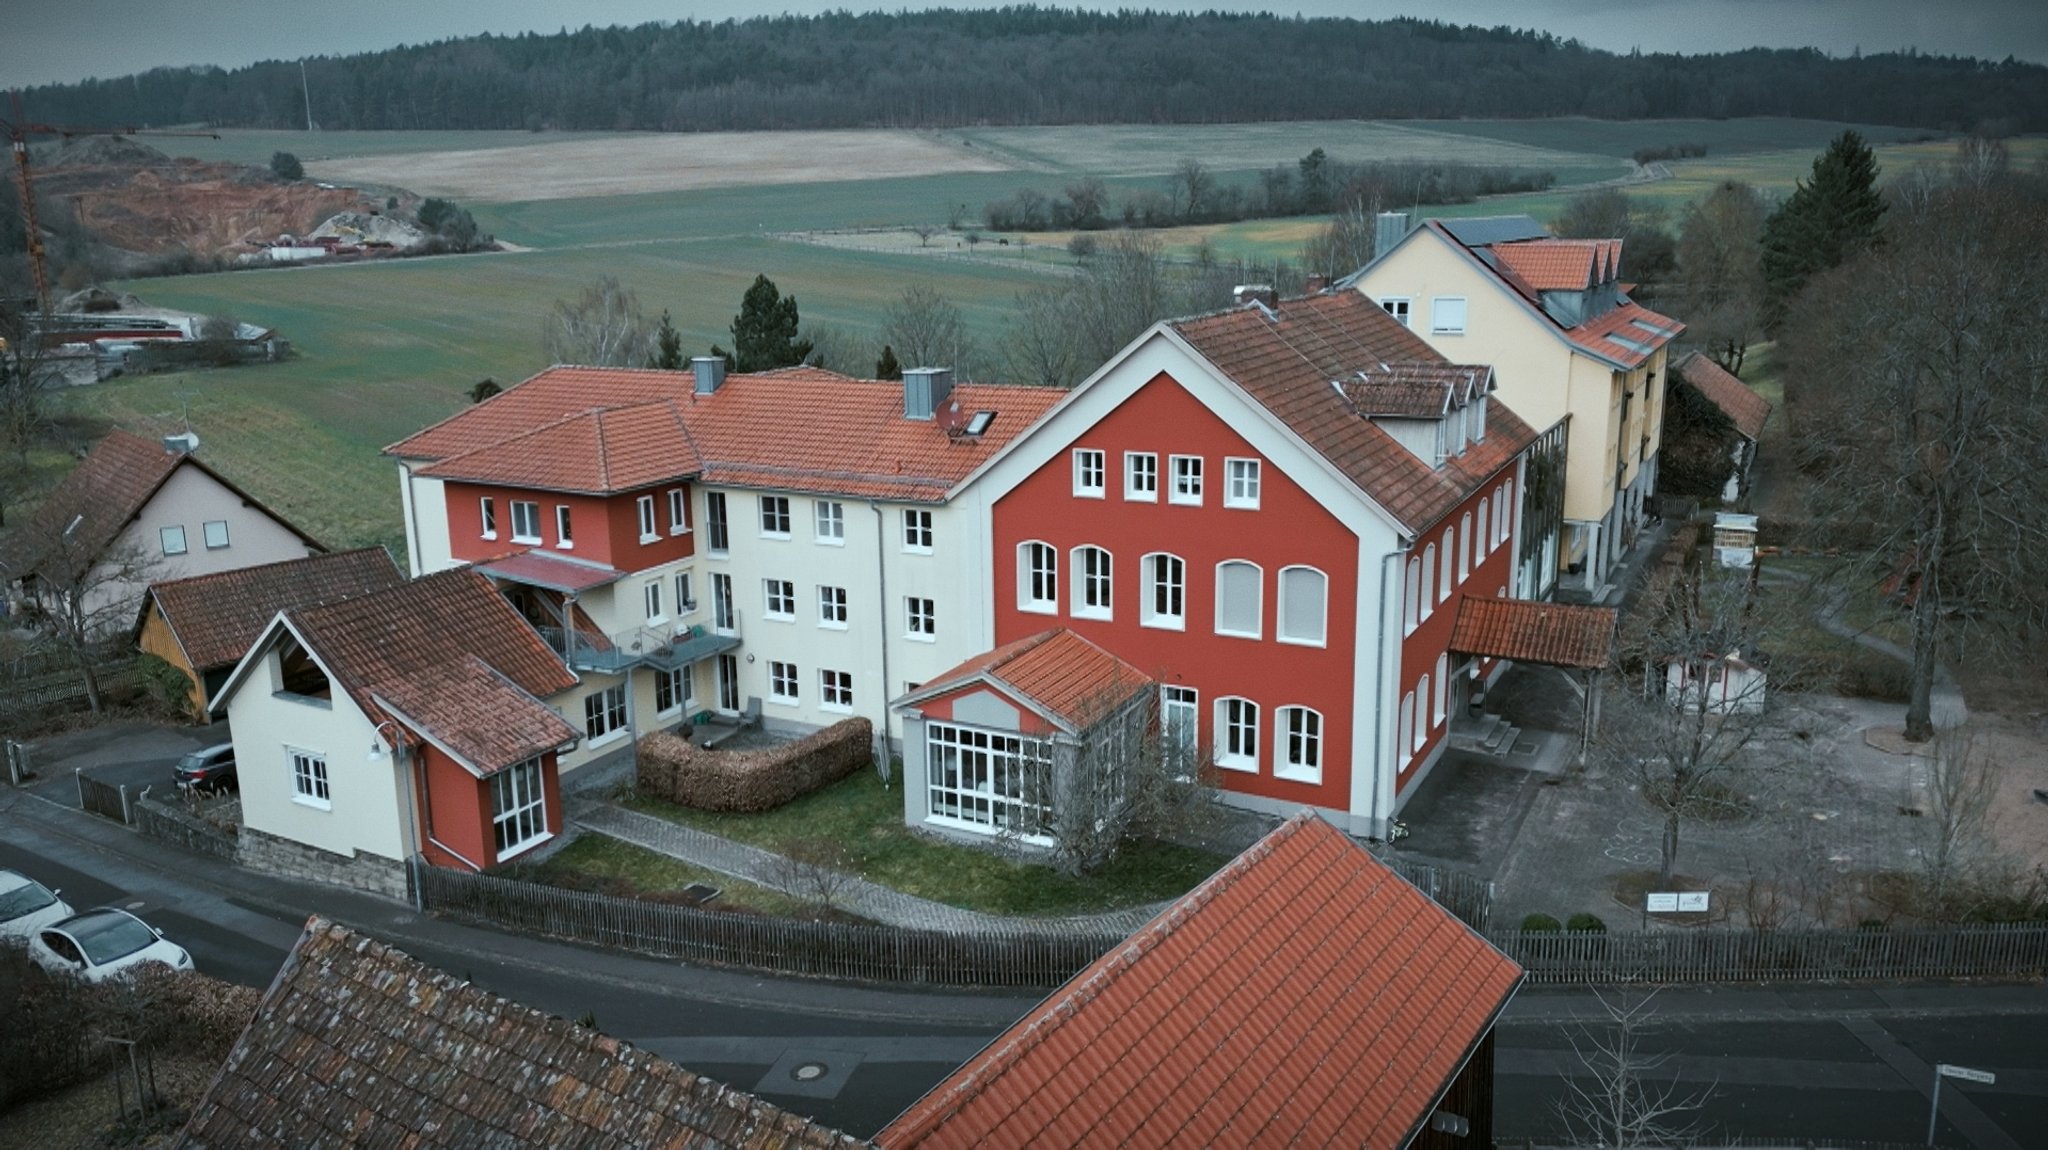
(866, 819)
(596, 862)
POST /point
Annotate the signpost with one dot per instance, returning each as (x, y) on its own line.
(1674, 902)
(1944, 1070)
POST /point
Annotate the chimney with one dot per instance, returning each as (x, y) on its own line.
(710, 372)
(1262, 294)
(925, 390)
(184, 444)
(1315, 284)
(1388, 230)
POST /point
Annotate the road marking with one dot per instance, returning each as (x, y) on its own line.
(1956, 1107)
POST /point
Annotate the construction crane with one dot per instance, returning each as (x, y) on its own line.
(18, 131)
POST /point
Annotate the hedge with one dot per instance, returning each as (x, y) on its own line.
(749, 782)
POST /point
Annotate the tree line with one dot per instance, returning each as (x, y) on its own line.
(1033, 65)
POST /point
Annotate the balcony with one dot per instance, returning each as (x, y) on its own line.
(637, 647)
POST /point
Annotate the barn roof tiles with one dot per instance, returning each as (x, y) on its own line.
(1736, 399)
(1533, 631)
(215, 617)
(1065, 677)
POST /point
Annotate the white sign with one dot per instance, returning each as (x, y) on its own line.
(1663, 903)
(1693, 900)
(1966, 1074)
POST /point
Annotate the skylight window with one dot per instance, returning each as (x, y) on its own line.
(980, 423)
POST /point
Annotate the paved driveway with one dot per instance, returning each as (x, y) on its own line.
(135, 753)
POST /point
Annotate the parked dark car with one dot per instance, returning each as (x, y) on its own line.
(208, 769)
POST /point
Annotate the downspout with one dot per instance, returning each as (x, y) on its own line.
(412, 520)
(1379, 710)
(882, 621)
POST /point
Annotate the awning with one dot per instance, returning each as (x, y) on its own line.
(1533, 631)
(539, 569)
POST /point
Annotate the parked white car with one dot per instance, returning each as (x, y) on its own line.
(27, 906)
(104, 944)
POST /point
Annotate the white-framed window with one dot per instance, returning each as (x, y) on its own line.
(832, 607)
(1447, 315)
(1239, 598)
(215, 532)
(1486, 539)
(1164, 601)
(519, 808)
(1187, 480)
(1038, 578)
(1396, 306)
(828, 517)
(1088, 473)
(1180, 719)
(1428, 605)
(985, 779)
(1443, 687)
(686, 593)
(920, 619)
(1422, 724)
(173, 539)
(1092, 585)
(1298, 744)
(525, 521)
(1464, 546)
(1404, 748)
(1304, 605)
(604, 712)
(782, 686)
(1411, 601)
(778, 599)
(678, 511)
(309, 778)
(1237, 734)
(775, 516)
(1241, 483)
(645, 508)
(725, 614)
(720, 540)
(835, 690)
(650, 597)
(917, 530)
(565, 527)
(1443, 571)
(487, 512)
(1506, 510)
(1141, 476)
(675, 689)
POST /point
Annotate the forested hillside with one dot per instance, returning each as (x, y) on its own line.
(1030, 65)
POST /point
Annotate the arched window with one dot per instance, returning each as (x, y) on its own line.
(1443, 686)
(1486, 537)
(1443, 577)
(1165, 591)
(1428, 581)
(1304, 594)
(1422, 723)
(1411, 603)
(1237, 734)
(1464, 546)
(1238, 598)
(1091, 583)
(1507, 509)
(1298, 745)
(1404, 749)
(1038, 577)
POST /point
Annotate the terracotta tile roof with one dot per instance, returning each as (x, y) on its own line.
(555, 572)
(217, 616)
(1557, 265)
(1303, 995)
(1415, 390)
(1066, 677)
(1532, 631)
(1286, 359)
(357, 1044)
(1734, 397)
(798, 429)
(426, 637)
(1626, 335)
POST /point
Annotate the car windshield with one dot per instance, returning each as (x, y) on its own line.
(24, 900)
(107, 937)
(195, 759)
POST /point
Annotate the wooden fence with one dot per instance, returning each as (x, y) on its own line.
(786, 946)
(28, 698)
(104, 798)
(1993, 950)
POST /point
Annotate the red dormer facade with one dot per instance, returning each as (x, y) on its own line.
(612, 530)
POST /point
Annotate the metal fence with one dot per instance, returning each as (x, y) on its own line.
(786, 946)
(1467, 896)
(104, 798)
(1992, 950)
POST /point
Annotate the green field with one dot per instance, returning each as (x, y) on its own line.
(249, 146)
(1622, 138)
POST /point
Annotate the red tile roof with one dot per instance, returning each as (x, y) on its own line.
(1063, 676)
(1557, 265)
(357, 1044)
(1303, 995)
(1735, 398)
(418, 646)
(1532, 631)
(1287, 357)
(1416, 390)
(798, 429)
(102, 495)
(1626, 335)
(215, 617)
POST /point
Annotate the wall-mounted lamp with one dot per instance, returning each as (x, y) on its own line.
(377, 744)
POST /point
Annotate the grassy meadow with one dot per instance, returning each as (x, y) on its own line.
(385, 348)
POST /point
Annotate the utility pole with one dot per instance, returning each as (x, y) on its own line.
(306, 91)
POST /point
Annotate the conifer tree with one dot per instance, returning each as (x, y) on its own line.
(1830, 218)
(886, 367)
(668, 345)
(764, 333)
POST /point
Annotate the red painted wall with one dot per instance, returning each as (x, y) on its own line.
(1432, 637)
(604, 529)
(455, 810)
(1288, 528)
(1029, 722)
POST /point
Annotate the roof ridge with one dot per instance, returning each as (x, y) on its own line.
(242, 572)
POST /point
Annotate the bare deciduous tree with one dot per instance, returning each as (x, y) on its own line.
(1961, 784)
(924, 233)
(926, 329)
(603, 327)
(1192, 184)
(1039, 346)
(1720, 265)
(87, 600)
(1346, 243)
(817, 870)
(1625, 1098)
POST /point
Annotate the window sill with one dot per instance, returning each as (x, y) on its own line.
(917, 550)
(533, 540)
(1094, 613)
(780, 535)
(1164, 624)
(1039, 608)
(1185, 501)
(1447, 331)
(824, 625)
(779, 701)
(656, 620)
(1086, 494)
(1299, 775)
(515, 851)
(824, 541)
(989, 829)
(773, 618)
(222, 547)
(673, 531)
(837, 708)
(1301, 642)
(565, 546)
(316, 804)
(1253, 636)
(649, 540)
(606, 739)
(491, 535)
(1241, 766)
(916, 638)
(1240, 505)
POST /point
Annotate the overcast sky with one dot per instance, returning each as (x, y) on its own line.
(64, 40)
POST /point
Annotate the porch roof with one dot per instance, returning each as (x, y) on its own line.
(1533, 631)
(540, 569)
(1062, 676)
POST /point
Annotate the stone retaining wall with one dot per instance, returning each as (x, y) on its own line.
(273, 855)
(161, 820)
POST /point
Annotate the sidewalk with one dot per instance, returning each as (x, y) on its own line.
(866, 899)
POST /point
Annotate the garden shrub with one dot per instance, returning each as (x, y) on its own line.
(1876, 677)
(1540, 922)
(674, 769)
(1585, 921)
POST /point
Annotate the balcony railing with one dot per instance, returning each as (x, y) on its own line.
(637, 647)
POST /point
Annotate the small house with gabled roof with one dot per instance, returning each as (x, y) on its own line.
(1746, 411)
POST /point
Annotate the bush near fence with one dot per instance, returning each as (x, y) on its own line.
(749, 782)
(2002, 950)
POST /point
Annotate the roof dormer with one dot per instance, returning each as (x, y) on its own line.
(1435, 411)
